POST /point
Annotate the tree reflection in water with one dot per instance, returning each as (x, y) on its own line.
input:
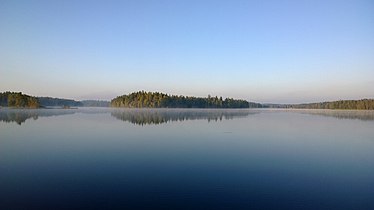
(20, 116)
(159, 116)
(365, 115)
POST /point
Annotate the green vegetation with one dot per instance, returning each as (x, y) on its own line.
(18, 100)
(144, 99)
(365, 104)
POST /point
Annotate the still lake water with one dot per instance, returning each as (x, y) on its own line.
(186, 159)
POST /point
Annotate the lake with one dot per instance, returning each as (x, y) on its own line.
(103, 158)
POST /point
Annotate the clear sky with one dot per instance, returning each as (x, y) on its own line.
(263, 51)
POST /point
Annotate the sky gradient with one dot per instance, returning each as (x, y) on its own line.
(263, 51)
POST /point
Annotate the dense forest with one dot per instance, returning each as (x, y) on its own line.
(144, 99)
(18, 100)
(366, 104)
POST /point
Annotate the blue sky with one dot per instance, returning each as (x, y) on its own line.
(264, 51)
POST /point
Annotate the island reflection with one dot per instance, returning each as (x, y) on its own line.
(364, 115)
(20, 116)
(159, 116)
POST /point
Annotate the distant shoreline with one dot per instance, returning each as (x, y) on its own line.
(142, 99)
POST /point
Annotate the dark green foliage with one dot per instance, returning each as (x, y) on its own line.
(18, 100)
(144, 99)
(48, 101)
(366, 104)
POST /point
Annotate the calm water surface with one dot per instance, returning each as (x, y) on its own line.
(186, 159)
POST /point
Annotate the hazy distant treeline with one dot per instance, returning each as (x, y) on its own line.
(366, 104)
(363, 104)
(95, 103)
(48, 101)
(143, 99)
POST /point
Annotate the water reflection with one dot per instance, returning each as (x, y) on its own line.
(20, 116)
(90, 158)
(365, 115)
(159, 116)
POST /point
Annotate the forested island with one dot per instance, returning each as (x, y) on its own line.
(142, 99)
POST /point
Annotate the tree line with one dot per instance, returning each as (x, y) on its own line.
(18, 100)
(48, 101)
(364, 104)
(142, 99)
(95, 103)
